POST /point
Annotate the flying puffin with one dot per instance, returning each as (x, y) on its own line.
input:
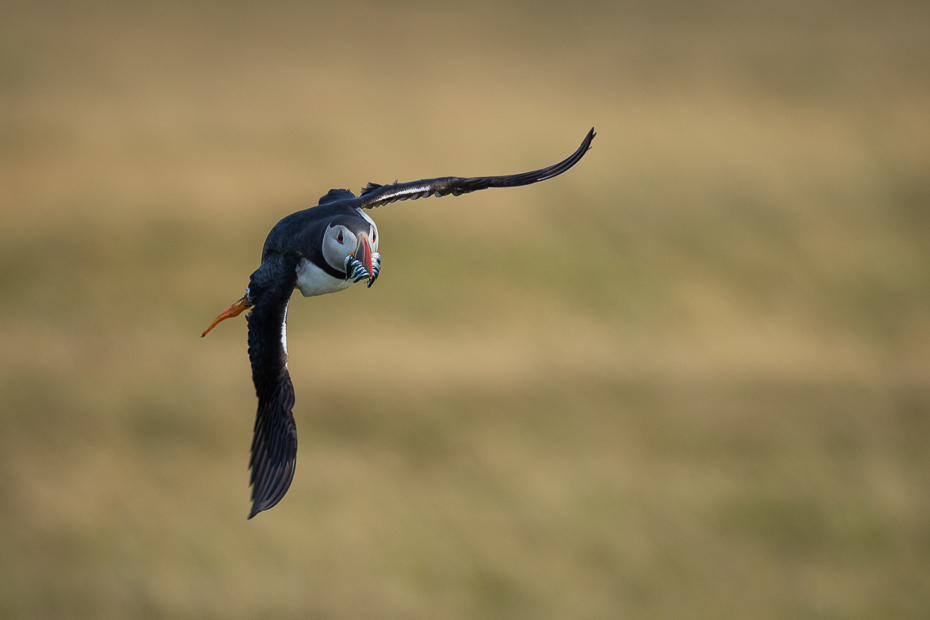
(319, 250)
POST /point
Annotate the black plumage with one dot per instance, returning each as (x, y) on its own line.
(321, 250)
(274, 442)
(374, 195)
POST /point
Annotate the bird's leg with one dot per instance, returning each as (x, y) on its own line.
(375, 268)
(234, 310)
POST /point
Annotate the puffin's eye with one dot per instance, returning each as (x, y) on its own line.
(374, 236)
(339, 237)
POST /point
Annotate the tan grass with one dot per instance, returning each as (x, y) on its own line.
(687, 379)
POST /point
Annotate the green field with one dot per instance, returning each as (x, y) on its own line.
(690, 378)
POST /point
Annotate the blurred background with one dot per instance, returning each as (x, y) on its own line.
(688, 379)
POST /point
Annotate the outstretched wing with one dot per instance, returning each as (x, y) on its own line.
(374, 195)
(274, 444)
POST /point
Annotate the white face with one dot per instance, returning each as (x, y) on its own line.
(339, 242)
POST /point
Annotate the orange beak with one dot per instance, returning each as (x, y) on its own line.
(363, 253)
(234, 310)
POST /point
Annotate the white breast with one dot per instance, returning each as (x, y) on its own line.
(311, 280)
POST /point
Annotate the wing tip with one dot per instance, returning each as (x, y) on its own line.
(270, 498)
(589, 138)
(267, 492)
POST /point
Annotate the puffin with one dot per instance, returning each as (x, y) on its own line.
(323, 249)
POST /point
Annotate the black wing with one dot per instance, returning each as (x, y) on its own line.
(274, 444)
(374, 195)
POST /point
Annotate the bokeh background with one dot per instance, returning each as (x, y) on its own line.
(688, 379)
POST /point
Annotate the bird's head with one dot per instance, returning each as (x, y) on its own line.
(350, 244)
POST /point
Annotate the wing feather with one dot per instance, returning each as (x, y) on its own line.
(374, 195)
(274, 442)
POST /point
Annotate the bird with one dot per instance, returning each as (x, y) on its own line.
(319, 250)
